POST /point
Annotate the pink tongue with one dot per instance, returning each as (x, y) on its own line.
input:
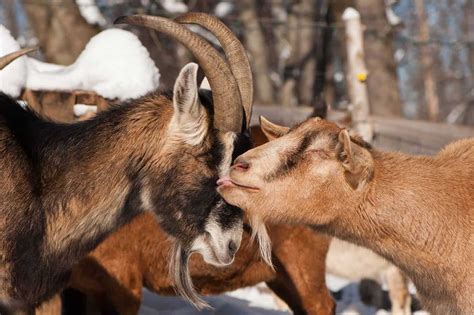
(223, 180)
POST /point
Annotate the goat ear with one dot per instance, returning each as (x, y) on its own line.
(271, 130)
(355, 159)
(189, 115)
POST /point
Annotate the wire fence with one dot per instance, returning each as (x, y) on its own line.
(467, 40)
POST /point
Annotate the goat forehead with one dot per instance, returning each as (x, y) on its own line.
(225, 215)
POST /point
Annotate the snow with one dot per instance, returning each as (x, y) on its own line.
(257, 296)
(114, 64)
(223, 9)
(350, 13)
(174, 6)
(82, 109)
(37, 65)
(255, 301)
(91, 12)
(222, 305)
(12, 77)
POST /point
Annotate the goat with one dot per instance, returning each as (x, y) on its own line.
(136, 256)
(416, 211)
(66, 187)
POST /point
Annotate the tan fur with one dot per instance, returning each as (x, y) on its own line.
(416, 211)
(51, 307)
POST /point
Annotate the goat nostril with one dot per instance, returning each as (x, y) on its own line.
(232, 247)
(243, 166)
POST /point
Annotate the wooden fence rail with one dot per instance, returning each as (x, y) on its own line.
(411, 136)
(418, 137)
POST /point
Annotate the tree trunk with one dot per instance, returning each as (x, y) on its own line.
(307, 53)
(10, 19)
(291, 71)
(431, 96)
(60, 28)
(355, 74)
(255, 43)
(382, 79)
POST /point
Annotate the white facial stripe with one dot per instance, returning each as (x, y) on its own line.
(214, 246)
(228, 140)
(145, 196)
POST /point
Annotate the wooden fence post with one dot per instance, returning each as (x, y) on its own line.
(357, 74)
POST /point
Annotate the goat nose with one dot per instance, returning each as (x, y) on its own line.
(232, 247)
(241, 165)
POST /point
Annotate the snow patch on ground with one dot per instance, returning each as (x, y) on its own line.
(154, 304)
(257, 296)
(12, 77)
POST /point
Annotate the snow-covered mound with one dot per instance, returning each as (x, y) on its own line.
(13, 77)
(114, 64)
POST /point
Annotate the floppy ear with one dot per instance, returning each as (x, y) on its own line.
(271, 130)
(355, 158)
(189, 116)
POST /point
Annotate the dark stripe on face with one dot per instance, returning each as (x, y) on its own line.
(292, 158)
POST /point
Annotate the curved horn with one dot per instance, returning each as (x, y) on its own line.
(234, 51)
(7, 59)
(227, 104)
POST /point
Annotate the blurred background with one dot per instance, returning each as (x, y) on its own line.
(413, 81)
(419, 54)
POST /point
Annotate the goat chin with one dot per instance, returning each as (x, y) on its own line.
(179, 272)
(259, 230)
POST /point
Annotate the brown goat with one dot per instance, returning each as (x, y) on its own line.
(66, 187)
(416, 211)
(137, 256)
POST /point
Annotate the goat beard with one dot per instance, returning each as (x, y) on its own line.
(259, 231)
(179, 271)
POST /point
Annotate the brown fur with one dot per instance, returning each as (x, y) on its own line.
(66, 187)
(416, 211)
(137, 256)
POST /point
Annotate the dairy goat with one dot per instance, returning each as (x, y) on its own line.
(66, 187)
(416, 211)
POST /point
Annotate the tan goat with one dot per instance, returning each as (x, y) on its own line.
(416, 211)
